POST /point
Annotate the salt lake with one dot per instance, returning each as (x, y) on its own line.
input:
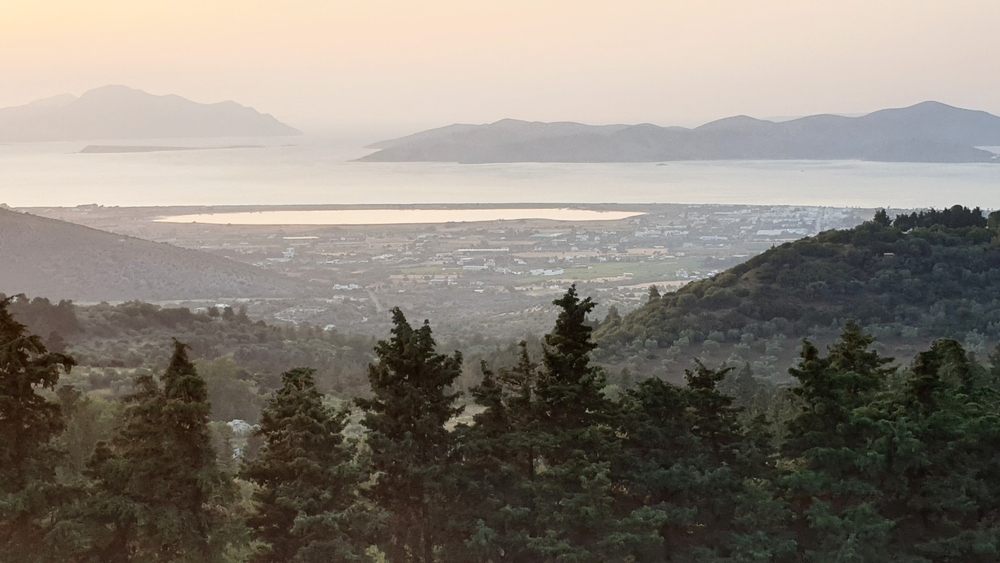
(394, 216)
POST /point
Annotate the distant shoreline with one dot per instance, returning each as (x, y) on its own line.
(125, 149)
(390, 216)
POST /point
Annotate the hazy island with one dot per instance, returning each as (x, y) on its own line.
(119, 112)
(927, 132)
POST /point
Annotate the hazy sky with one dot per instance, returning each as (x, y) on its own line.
(434, 62)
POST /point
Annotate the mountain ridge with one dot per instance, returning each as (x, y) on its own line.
(120, 112)
(43, 256)
(925, 132)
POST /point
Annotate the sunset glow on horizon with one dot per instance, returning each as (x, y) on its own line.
(443, 61)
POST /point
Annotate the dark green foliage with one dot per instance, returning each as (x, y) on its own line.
(688, 458)
(993, 221)
(411, 449)
(41, 316)
(157, 492)
(28, 424)
(882, 218)
(499, 465)
(232, 391)
(569, 389)
(576, 515)
(855, 461)
(941, 478)
(748, 392)
(829, 445)
(89, 420)
(937, 277)
(135, 335)
(955, 217)
(894, 467)
(831, 388)
(612, 319)
(541, 458)
(307, 503)
(654, 293)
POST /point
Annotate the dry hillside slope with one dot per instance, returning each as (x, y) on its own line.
(62, 260)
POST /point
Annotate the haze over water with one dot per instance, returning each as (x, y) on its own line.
(320, 172)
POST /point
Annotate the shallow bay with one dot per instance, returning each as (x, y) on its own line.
(319, 172)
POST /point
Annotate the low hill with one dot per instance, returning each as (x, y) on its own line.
(118, 112)
(67, 261)
(926, 132)
(922, 277)
(112, 343)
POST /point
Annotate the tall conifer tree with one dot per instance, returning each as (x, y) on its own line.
(500, 456)
(572, 507)
(158, 493)
(940, 475)
(827, 444)
(411, 449)
(307, 506)
(28, 423)
(688, 459)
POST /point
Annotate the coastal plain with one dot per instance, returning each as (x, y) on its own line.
(494, 277)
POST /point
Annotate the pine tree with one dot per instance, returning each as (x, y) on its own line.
(940, 474)
(158, 494)
(412, 451)
(882, 218)
(612, 318)
(654, 294)
(499, 455)
(28, 424)
(569, 390)
(689, 461)
(576, 515)
(307, 506)
(747, 391)
(831, 488)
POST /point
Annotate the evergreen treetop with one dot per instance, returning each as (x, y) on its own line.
(307, 500)
(28, 424)
(412, 450)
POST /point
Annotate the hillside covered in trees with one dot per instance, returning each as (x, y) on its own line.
(242, 360)
(907, 280)
(860, 460)
(118, 444)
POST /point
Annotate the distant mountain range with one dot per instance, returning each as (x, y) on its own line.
(119, 112)
(63, 260)
(926, 132)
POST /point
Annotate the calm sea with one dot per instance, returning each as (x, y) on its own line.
(318, 172)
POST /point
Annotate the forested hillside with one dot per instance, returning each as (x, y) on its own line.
(115, 446)
(908, 281)
(241, 359)
(860, 460)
